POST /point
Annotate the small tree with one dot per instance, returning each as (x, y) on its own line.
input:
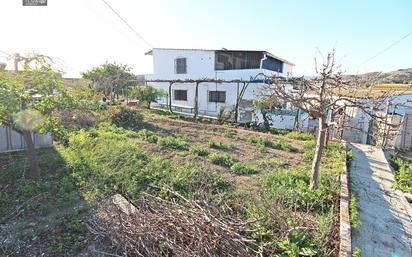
(111, 79)
(146, 94)
(26, 97)
(322, 98)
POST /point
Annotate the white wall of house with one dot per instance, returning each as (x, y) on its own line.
(200, 64)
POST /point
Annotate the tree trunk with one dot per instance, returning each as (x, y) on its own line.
(320, 144)
(32, 155)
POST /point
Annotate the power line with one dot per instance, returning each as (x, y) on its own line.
(386, 49)
(127, 24)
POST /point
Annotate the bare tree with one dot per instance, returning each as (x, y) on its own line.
(323, 98)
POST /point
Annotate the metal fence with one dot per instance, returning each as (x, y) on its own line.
(11, 140)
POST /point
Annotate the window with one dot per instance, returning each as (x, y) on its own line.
(272, 64)
(217, 96)
(180, 66)
(237, 60)
(180, 95)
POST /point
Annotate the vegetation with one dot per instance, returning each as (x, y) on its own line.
(198, 150)
(219, 145)
(145, 94)
(172, 142)
(125, 117)
(403, 174)
(353, 210)
(111, 79)
(243, 169)
(222, 159)
(302, 136)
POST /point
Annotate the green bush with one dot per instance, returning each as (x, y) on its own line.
(243, 169)
(282, 145)
(302, 136)
(222, 159)
(172, 142)
(147, 135)
(125, 117)
(198, 150)
(403, 174)
(219, 145)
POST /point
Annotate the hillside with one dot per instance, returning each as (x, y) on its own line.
(401, 76)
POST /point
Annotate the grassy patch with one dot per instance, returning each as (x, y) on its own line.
(243, 169)
(220, 144)
(301, 136)
(403, 174)
(198, 150)
(147, 135)
(222, 159)
(172, 142)
(353, 210)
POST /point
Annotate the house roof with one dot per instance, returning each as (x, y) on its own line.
(222, 50)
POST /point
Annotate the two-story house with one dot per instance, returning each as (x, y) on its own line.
(224, 73)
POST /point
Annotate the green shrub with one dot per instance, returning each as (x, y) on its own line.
(172, 142)
(222, 159)
(125, 117)
(282, 145)
(198, 150)
(353, 210)
(403, 174)
(220, 145)
(302, 136)
(243, 169)
(147, 135)
(298, 244)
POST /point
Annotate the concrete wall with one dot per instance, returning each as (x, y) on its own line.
(11, 140)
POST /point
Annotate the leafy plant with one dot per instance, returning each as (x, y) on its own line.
(147, 135)
(403, 174)
(220, 145)
(222, 159)
(126, 117)
(172, 142)
(302, 136)
(298, 244)
(198, 150)
(353, 210)
(243, 169)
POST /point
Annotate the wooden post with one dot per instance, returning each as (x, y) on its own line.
(197, 100)
(170, 96)
(237, 104)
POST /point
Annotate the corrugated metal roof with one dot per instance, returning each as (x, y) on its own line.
(214, 50)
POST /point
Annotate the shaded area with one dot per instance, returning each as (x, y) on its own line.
(386, 228)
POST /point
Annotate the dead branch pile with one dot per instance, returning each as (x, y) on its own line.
(156, 227)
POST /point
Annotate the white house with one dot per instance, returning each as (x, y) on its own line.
(224, 74)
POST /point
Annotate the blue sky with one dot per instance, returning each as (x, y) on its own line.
(83, 33)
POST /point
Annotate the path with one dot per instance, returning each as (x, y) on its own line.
(386, 216)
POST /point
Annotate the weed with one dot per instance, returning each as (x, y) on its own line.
(353, 210)
(147, 135)
(222, 159)
(282, 145)
(302, 136)
(357, 252)
(220, 145)
(243, 169)
(172, 142)
(198, 150)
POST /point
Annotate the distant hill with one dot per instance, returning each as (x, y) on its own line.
(401, 76)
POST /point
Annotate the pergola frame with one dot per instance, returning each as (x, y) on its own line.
(197, 82)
